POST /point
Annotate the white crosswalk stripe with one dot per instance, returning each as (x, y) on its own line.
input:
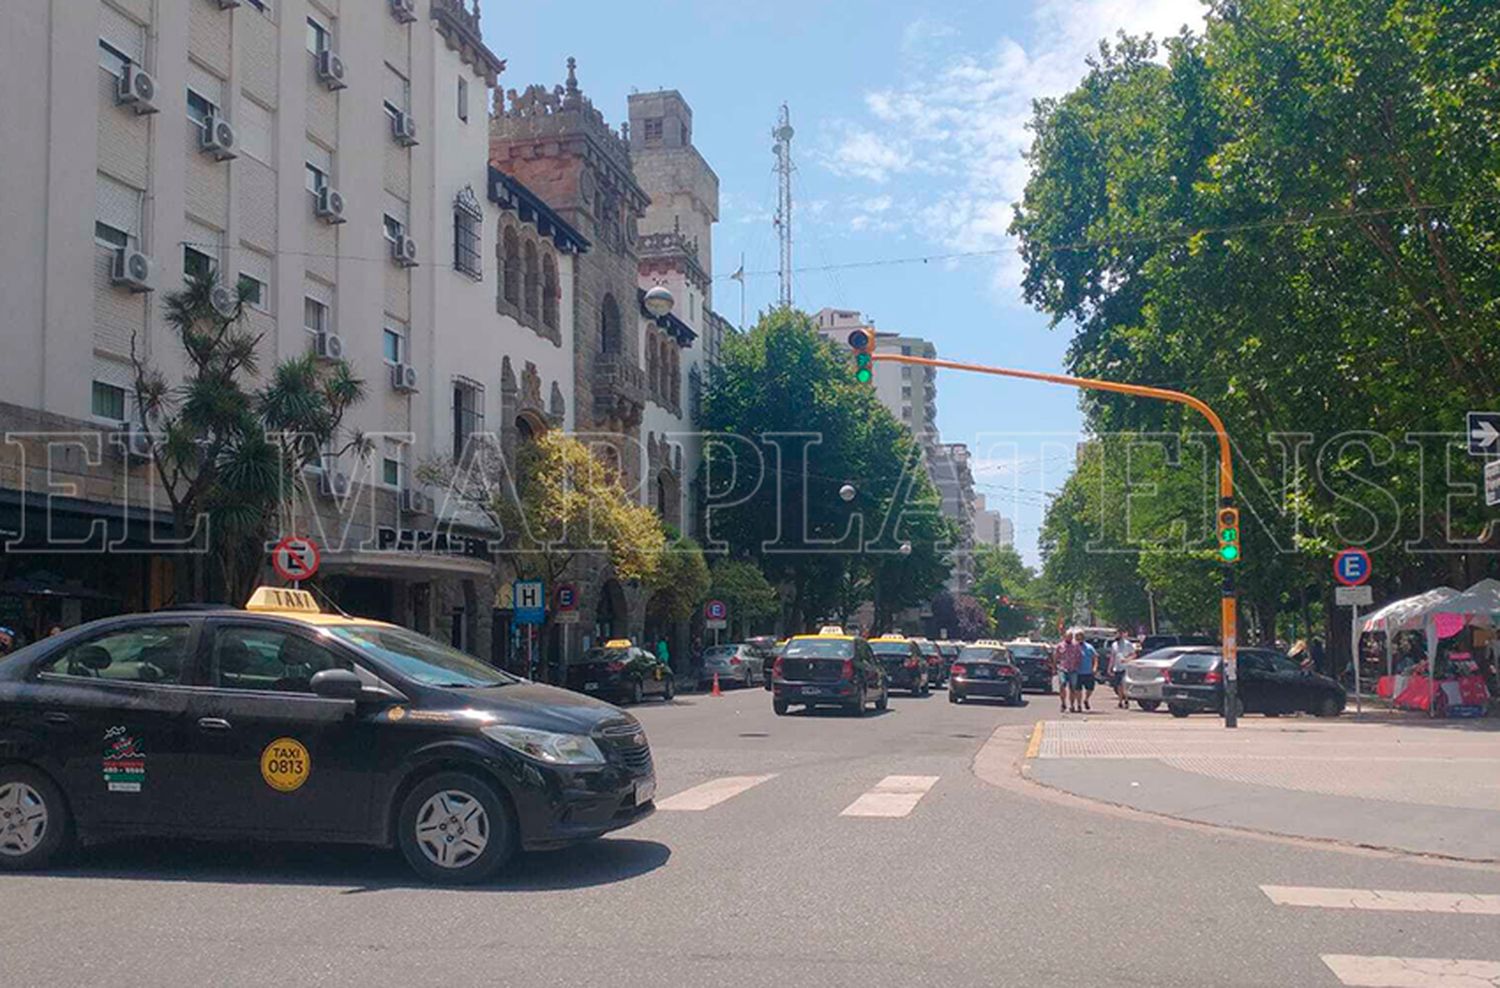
(1412, 972)
(711, 793)
(1455, 903)
(893, 796)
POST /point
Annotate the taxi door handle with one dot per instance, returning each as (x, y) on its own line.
(213, 723)
(57, 717)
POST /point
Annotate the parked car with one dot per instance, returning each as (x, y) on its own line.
(1269, 683)
(740, 664)
(984, 669)
(1034, 659)
(937, 666)
(828, 670)
(1144, 677)
(280, 722)
(904, 664)
(622, 672)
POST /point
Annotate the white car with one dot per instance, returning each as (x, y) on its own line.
(1145, 676)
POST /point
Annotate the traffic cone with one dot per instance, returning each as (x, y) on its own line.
(716, 691)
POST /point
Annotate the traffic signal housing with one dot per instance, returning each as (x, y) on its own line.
(1229, 535)
(862, 342)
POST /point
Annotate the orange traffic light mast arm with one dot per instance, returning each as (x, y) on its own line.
(1226, 467)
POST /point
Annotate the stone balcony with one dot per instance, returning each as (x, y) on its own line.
(619, 388)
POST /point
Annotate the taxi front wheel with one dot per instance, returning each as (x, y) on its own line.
(33, 819)
(455, 829)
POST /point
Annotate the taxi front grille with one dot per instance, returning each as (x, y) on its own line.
(625, 745)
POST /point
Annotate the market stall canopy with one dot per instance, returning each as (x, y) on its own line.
(1409, 614)
(1476, 607)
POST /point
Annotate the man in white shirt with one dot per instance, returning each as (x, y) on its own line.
(1120, 652)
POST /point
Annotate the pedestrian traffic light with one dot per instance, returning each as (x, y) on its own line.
(862, 342)
(1229, 535)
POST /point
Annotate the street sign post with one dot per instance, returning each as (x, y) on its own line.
(1351, 567)
(1484, 433)
(296, 559)
(1492, 484)
(531, 602)
(716, 617)
(567, 597)
(1360, 596)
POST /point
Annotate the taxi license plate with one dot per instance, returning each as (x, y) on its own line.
(812, 691)
(645, 791)
(590, 686)
(981, 672)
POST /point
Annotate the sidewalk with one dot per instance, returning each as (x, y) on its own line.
(1387, 780)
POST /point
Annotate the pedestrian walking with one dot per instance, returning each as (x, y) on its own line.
(1069, 658)
(1083, 683)
(1121, 651)
(662, 652)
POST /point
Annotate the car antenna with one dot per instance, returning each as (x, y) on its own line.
(330, 601)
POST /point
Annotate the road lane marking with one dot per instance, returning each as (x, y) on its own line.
(711, 793)
(1036, 741)
(1412, 972)
(1453, 903)
(893, 796)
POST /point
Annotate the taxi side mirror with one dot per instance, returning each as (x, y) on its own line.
(337, 684)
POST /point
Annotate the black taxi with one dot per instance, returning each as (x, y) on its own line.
(829, 669)
(282, 722)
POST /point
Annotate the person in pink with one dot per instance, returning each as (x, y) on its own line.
(1069, 657)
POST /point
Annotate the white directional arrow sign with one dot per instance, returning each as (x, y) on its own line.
(1484, 433)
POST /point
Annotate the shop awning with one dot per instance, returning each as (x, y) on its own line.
(1409, 614)
(405, 565)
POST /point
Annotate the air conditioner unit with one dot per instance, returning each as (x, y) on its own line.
(228, 4)
(404, 11)
(330, 205)
(414, 502)
(224, 301)
(132, 270)
(404, 252)
(330, 346)
(331, 69)
(136, 90)
(404, 129)
(217, 138)
(333, 483)
(135, 442)
(404, 378)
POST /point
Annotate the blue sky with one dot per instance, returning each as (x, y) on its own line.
(910, 121)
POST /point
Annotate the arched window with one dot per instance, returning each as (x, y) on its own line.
(609, 326)
(653, 376)
(550, 291)
(661, 497)
(533, 285)
(676, 389)
(510, 281)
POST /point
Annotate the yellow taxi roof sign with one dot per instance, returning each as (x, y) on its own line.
(619, 643)
(892, 638)
(283, 599)
(830, 630)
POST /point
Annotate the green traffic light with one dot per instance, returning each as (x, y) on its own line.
(1229, 553)
(863, 375)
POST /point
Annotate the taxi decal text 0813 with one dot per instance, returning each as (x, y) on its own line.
(285, 764)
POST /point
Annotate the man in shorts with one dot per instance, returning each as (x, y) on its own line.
(1069, 658)
(1120, 652)
(1083, 681)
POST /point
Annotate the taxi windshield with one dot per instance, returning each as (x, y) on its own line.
(600, 655)
(419, 658)
(820, 648)
(982, 653)
(892, 647)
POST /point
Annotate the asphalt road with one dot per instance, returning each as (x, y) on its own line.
(766, 882)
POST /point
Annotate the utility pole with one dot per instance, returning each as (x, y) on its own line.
(783, 151)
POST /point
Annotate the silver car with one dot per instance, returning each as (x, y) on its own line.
(1144, 677)
(736, 665)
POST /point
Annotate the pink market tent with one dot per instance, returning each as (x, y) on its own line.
(1443, 615)
(1408, 614)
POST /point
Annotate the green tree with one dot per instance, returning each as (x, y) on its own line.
(753, 602)
(229, 453)
(1009, 590)
(680, 582)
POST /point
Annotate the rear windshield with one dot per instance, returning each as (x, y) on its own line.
(890, 648)
(1028, 651)
(719, 652)
(983, 654)
(819, 648)
(601, 655)
(420, 658)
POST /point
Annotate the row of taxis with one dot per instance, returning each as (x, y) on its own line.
(280, 721)
(836, 669)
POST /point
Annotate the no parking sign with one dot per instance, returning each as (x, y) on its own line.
(296, 559)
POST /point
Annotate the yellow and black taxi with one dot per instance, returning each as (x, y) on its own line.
(904, 664)
(283, 722)
(622, 672)
(986, 669)
(830, 668)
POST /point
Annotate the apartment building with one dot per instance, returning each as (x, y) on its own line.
(908, 391)
(331, 156)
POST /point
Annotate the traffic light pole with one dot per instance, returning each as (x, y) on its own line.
(1229, 627)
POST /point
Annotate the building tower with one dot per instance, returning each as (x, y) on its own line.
(784, 168)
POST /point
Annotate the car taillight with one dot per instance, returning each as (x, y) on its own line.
(1009, 670)
(958, 670)
(735, 661)
(1212, 677)
(1166, 675)
(848, 671)
(910, 663)
(616, 666)
(776, 668)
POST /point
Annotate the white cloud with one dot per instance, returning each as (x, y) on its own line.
(953, 129)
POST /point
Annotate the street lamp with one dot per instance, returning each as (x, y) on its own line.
(847, 492)
(905, 549)
(659, 301)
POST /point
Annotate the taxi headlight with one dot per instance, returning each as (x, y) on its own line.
(545, 746)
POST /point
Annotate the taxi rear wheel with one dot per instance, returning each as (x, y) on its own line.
(33, 819)
(455, 829)
(884, 702)
(780, 707)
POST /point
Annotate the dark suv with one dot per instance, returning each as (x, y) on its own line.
(828, 670)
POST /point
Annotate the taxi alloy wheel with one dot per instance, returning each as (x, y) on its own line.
(33, 819)
(636, 693)
(884, 702)
(455, 829)
(671, 689)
